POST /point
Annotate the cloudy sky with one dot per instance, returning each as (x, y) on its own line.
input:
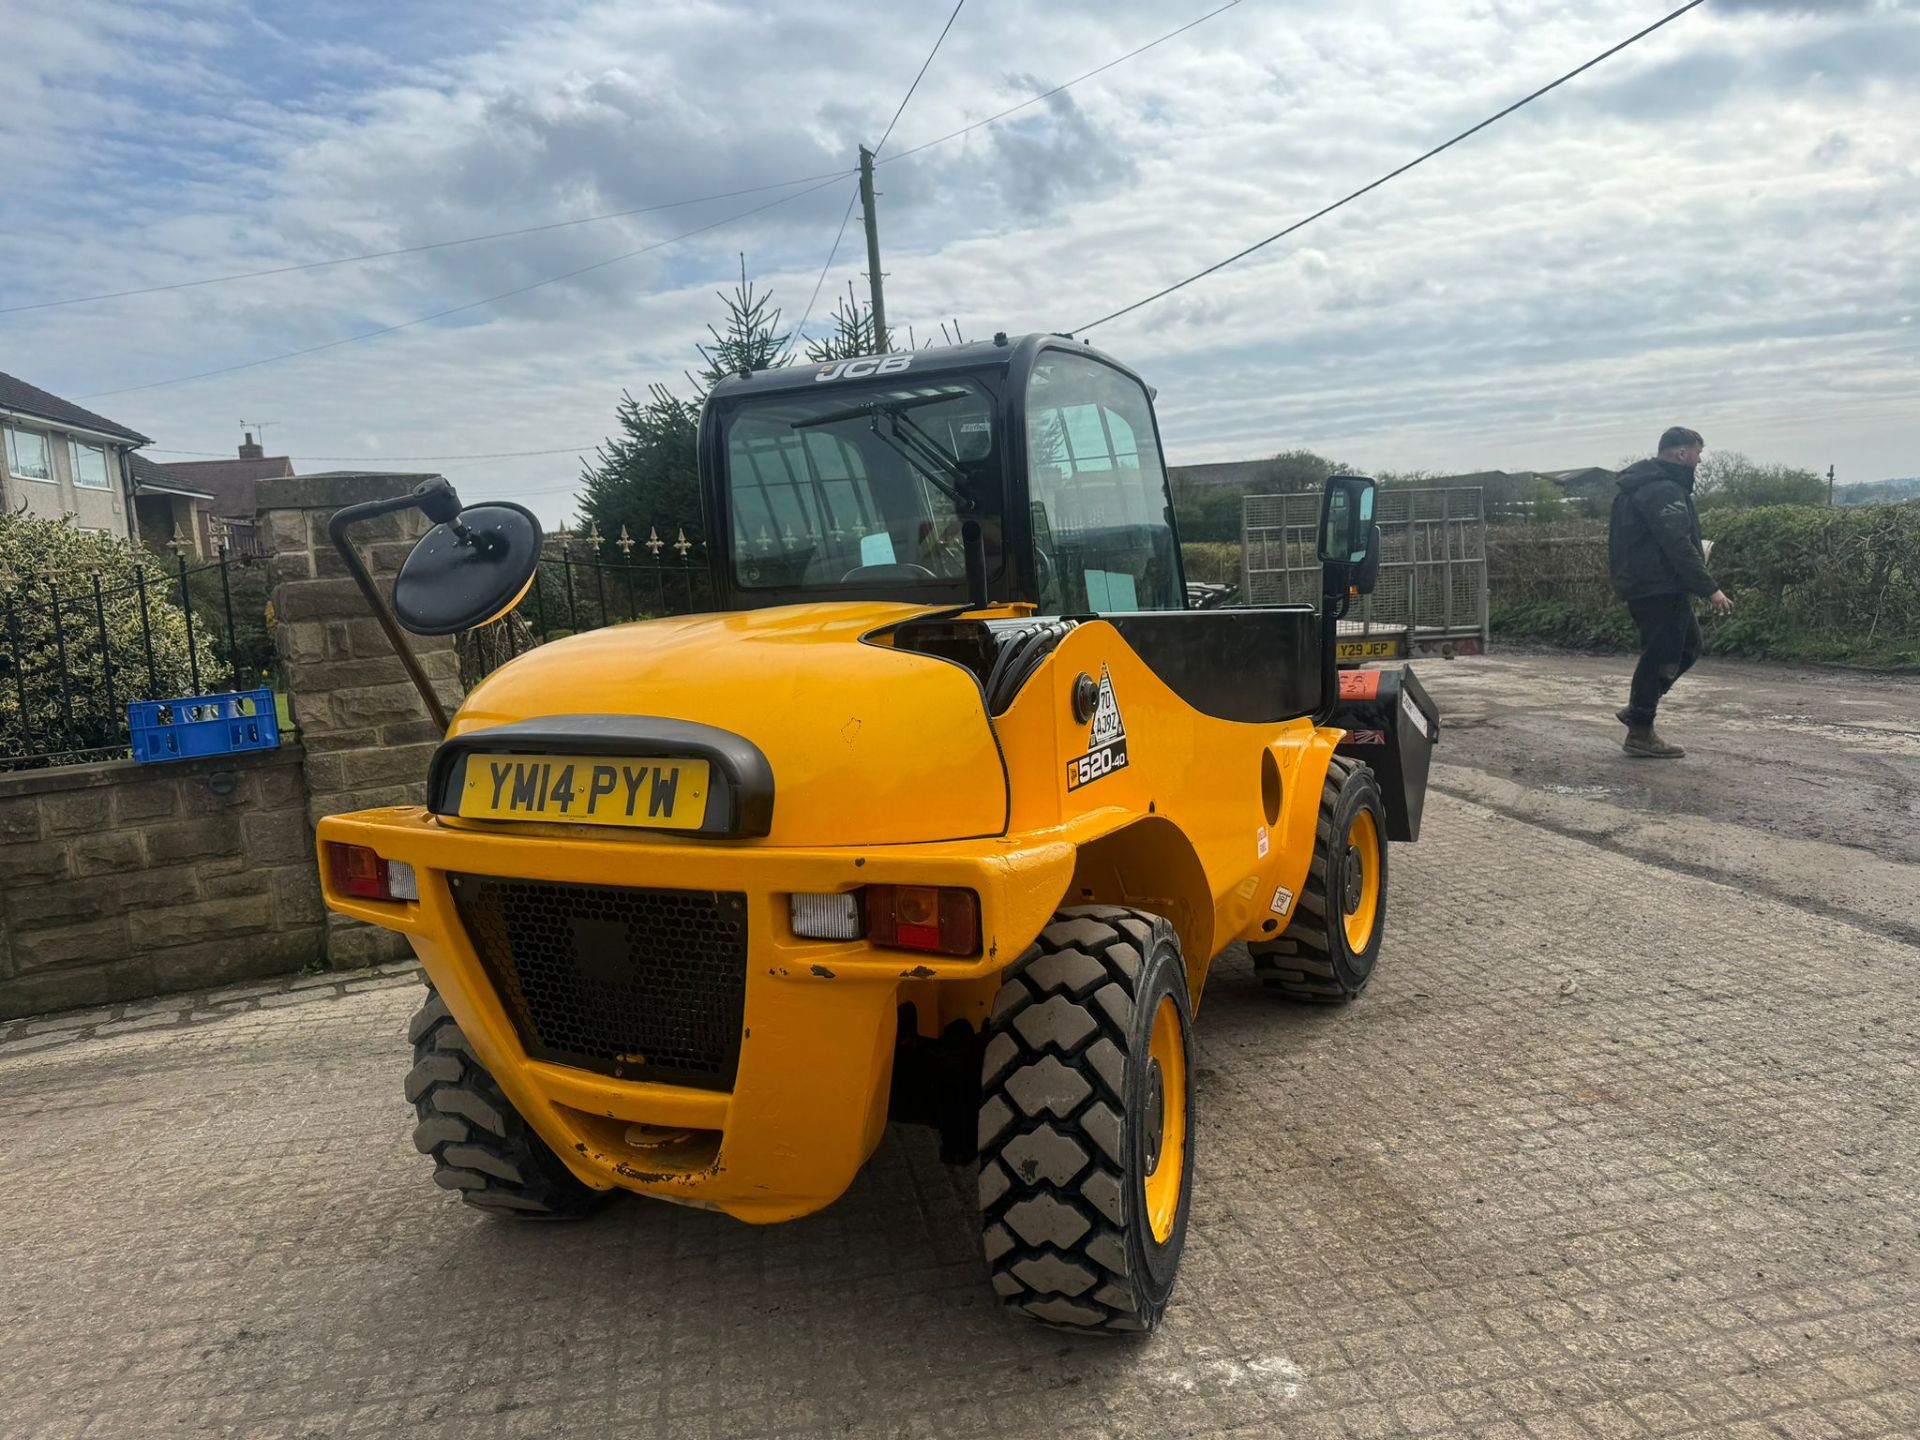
(1717, 227)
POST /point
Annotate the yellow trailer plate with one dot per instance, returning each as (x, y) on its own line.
(659, 794)
(1366, 649)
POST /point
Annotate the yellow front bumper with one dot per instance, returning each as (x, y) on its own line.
(809, 1100)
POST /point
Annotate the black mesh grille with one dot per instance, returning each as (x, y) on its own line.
(647, 984)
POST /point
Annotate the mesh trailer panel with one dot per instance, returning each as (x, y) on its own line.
(1433, 560)
(642, 984)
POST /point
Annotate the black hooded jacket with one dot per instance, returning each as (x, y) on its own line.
(1653, 543)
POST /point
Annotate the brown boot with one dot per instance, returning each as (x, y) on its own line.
(1646, 744)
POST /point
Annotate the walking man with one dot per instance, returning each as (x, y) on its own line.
(1654, 551)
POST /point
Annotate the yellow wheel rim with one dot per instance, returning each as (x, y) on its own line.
(1361, 899)
(1166, 1120)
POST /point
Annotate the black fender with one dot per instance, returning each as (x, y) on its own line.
(1392, 726)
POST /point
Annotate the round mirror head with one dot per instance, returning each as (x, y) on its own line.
(469, 571)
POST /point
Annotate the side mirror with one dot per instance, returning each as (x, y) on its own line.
(469, 570)
(1346, 520)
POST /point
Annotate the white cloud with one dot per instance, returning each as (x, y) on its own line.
(1716, 228)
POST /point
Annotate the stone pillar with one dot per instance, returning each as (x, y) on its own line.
(364, 729)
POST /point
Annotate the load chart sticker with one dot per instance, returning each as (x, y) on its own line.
(1106, 744)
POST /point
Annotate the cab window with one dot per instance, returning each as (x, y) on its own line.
(1098, 499)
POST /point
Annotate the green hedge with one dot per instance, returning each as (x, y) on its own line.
(1811, 585)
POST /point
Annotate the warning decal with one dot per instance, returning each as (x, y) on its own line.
(1106, 745)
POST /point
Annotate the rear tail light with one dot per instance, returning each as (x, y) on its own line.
(938, 919)
(360, 872)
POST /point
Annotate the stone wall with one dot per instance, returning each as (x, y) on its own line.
(121, 880)
(366, 731)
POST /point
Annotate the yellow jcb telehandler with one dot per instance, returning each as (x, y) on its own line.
(940, 816)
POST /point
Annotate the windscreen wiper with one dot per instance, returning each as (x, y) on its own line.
(908, 441)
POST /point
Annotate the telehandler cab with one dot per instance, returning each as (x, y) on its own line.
(941, 816)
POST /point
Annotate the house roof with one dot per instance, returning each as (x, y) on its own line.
(230, 483)
(152, 479)
(25, 399)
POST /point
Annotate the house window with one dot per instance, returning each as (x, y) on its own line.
(27, 454)
(90, 467)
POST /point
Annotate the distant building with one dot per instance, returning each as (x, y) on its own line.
(230, 486)
(65, 463)
(168, 513)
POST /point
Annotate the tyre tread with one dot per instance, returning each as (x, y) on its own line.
(481, 1148)
(1056, 1247)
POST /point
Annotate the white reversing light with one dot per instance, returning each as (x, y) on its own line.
(402, 883)
(826, 917)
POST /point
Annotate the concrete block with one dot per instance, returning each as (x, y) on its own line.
(107, 852)
(275, 837)
(362, 945)
(190, 967)
(34, 907)
(87, 942)
(253, 880)
(286, 533)
(19, 819)
(416, 732)
(214, 793)
(296, 895)
(385, 765)
(302, 600)
(279, 787)
(206, 920)
(53, 990)
(76, 812)
(33, 860)
(149, 799)
(186, 839)
(376, 705)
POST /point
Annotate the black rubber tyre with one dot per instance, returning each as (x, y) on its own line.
(1314, 959)
(479, 1144)
(1073, 1099)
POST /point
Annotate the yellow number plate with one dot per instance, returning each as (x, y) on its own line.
(587, 790)
(1366, 649)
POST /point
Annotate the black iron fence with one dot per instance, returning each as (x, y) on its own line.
(75, 648)
(584, 583)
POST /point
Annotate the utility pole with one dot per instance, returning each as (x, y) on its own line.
(873, 253)
(1829, 487)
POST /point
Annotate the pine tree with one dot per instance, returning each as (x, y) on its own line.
(647, 476)
(751, 340)
(852, 335)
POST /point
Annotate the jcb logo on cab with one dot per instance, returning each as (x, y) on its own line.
(858, 369)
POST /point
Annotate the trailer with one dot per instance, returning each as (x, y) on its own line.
(1432, 593)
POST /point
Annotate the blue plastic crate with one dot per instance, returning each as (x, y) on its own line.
(197, 725)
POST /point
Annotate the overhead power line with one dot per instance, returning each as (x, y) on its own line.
(997, 117)
(800, 330)
(1391, 174)
(901, 108)
(421, 249)
(606, 215)
(460, 309)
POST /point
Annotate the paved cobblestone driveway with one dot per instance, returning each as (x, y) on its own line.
(1606, 1151)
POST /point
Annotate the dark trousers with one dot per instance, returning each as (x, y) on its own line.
(1669, 644)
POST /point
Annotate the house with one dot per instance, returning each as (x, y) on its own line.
(170, 515)
(60, 461)
(230, 484)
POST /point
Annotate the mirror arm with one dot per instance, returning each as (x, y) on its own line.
(337, 529)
